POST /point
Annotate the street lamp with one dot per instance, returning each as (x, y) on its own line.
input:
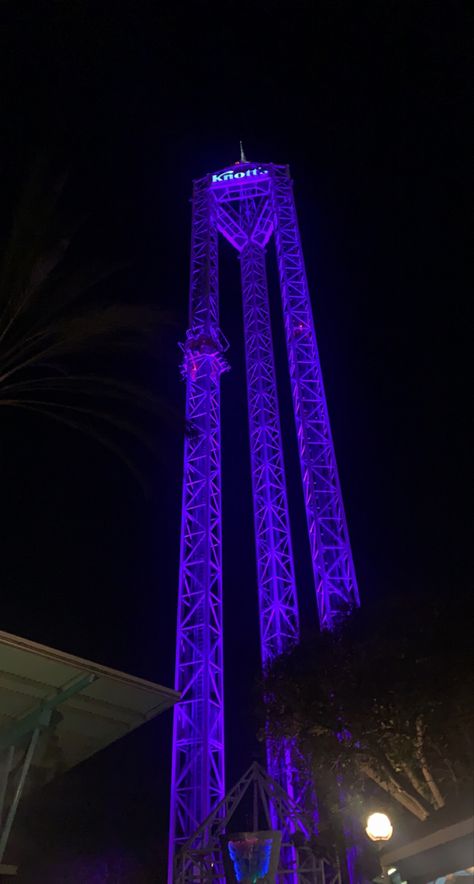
(379, 827)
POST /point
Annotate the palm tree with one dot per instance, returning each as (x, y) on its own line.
(48, 323)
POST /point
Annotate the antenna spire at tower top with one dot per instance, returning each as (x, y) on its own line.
(243, 158)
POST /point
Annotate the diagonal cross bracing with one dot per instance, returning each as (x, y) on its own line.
(278, 604)
(198, 782)
(336, 586)
(248, 203)
(200, 860)
(279, 627)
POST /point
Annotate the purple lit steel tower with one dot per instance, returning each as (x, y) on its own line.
(279, 626)
(198, 730)
(247, 203)
(336, 586)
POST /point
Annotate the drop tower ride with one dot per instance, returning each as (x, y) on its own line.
(248, 203)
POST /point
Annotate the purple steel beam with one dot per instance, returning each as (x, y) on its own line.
(198, 782)
(251, 219)
(336, 586)
(279, 623)
(278, 604)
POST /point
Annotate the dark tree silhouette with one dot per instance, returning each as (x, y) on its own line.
(386, 700)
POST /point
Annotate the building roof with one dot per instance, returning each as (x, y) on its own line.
(92, 705)
(442, 851)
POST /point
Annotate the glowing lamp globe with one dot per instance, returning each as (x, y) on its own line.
(379, 827)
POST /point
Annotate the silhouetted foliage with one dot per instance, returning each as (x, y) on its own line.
(385, 700)
(49, 323)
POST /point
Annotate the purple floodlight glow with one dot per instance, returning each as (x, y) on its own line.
(247, 203)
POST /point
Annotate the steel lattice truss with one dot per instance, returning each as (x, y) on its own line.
(200, 860)
(248, 203)
(279, 627)
(279, 621)
(198, 733)
(336, 586)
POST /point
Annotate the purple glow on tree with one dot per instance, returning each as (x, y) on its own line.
(247, 203)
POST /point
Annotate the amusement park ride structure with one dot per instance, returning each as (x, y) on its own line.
(248, 203)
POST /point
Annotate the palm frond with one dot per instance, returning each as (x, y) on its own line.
(88, 385)
(120, 327)
(100, 414)
(87, 430)
(39, 237)
(48, 321)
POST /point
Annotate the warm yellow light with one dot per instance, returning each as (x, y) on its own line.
(379, 827)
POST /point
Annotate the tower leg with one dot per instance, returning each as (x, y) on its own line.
(335, 581)
(279, 622)
(333, 568)
(198, 731)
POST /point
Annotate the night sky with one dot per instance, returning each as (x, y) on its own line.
(366, 104)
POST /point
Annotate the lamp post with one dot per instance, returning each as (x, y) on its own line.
(379, 829)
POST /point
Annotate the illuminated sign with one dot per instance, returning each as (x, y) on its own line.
(232, 174)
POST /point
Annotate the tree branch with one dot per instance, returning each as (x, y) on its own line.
(393, 789)
(437, 798)
(389, 784)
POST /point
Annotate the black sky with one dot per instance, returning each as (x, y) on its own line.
(366, 103)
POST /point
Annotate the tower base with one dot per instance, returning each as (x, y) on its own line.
(255, 800)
